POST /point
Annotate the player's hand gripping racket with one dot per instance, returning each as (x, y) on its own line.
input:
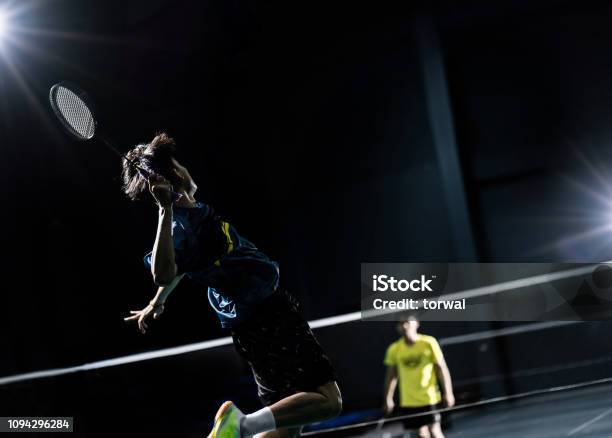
(74, 110)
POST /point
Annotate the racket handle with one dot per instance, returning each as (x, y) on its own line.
(146, 174)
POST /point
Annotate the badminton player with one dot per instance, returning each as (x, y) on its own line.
(416, 360)
(295, 379)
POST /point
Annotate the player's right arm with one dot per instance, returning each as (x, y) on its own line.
(163, 265)
(391, 363)
(390, 385)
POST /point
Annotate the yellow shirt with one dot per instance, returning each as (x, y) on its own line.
(418, 384)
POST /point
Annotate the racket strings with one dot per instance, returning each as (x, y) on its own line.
(75, 112)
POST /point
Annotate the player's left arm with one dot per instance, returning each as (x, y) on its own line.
(443, 374)
(155, 307)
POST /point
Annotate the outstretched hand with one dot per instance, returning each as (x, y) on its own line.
(449, 399)
(388, 407)
(140, 316)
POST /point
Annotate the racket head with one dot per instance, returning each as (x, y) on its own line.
(74, 109)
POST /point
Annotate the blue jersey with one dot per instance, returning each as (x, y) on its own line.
(209, 251)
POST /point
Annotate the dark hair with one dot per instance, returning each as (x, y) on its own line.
(155, 157)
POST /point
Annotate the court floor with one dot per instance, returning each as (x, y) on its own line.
(571, 413)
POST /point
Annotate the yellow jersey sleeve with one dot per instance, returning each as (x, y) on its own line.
(391, 355)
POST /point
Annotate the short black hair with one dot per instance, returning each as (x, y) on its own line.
(155, 157)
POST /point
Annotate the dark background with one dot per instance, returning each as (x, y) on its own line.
(306, 125)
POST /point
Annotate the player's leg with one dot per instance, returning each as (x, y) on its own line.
(283, 418)
(435, 430)
(308, 407)
(294, 410)
(294, 376)
(423, 432)
(410, 425)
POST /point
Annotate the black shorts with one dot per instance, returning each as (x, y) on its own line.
(421, 420)
(281, 349)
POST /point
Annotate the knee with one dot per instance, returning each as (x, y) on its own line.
(423, 432)
(436, 431)
(333, 406)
